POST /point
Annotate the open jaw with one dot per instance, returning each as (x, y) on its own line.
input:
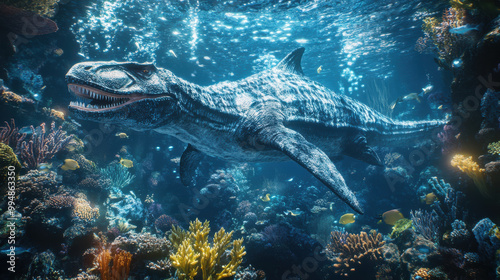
(94, 100)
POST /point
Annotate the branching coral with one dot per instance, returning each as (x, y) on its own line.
(9, 134)
(355, 253)
(42, 146)
(426, 223)
(194, 253)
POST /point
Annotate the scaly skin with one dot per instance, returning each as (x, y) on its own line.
(275, 115)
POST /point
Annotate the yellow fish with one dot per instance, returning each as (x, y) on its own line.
(70, 164)
(392, 216)
(319, 69)
(265, 198)
(429, 198)
(122, 135)
(127, 163)
(440, 107)
(348, 218)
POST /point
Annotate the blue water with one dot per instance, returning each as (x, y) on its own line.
(361, 49)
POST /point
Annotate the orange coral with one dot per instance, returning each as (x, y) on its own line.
(355, 253)
(423, 273)
(120, 268)
(9, 97)
(57, 114)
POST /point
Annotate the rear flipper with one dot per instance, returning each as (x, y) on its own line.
(294, 145)
(358, 148)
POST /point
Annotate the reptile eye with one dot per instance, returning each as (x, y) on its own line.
(145, 71)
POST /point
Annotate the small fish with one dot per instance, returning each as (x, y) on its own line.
(391, 217)
(290, 180)
(44, 167)
(70, 164)
(429, 198)
(18, 250)
(320, 68)
(348, 218)
(408, 97)
(172, 52)
(464, 29)
(127, 163)
(26, 130)
(296, 212)
(261, 222)
(427, 89)
(122, 135)
(265, 198)
(440, 107)
(457, 63)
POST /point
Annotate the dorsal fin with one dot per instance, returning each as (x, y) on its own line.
(291, 62)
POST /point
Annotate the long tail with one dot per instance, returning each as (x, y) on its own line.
(404, 133)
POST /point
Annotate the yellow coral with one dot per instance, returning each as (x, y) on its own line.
(465, 4)
(472, 169)
(194, 252)
(42, 7)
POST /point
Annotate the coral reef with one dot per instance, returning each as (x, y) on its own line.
(43, 7)
(119, 175)
(120, 267)
(8, 162)
(494, 148)
(42, 146)
(438, 38)
(143, 246)
(9, 134)
(165, 222)
(83, 210)
(355, 253)
(490, 109)
(426, 223)
(472, 169)
(484, 232)
(194, 253)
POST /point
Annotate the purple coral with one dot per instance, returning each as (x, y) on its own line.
(426, 223)
(165, 222)
(42, 146)
(9, 134)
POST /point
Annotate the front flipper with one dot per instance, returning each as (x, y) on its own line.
(190, 160)
(294, 145)
(359, 149)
